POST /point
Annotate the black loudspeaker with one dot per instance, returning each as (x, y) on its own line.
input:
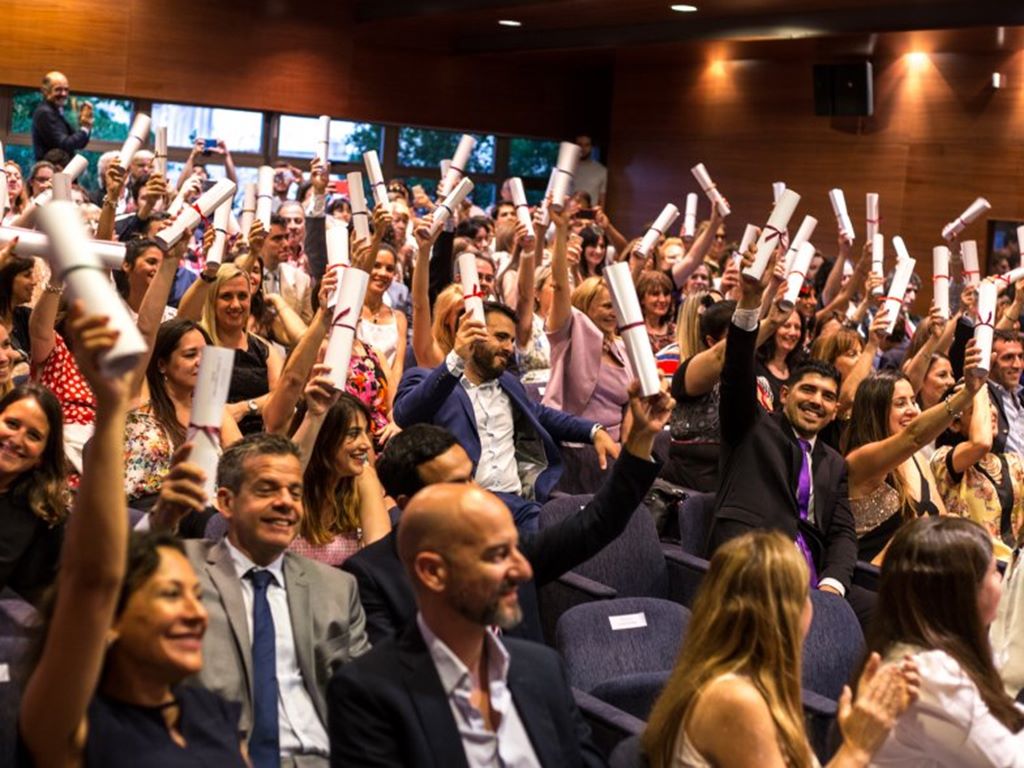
(843, 90)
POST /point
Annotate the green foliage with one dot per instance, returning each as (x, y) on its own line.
(425, 148)
(113, 116)
(531, 157)
(364, 137)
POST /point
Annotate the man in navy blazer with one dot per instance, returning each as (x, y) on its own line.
(50, 129)
(450, 692)
(512, 442)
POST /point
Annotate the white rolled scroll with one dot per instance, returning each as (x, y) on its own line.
(545, 215)
(5, 197)
(690, 215)
(160, 151)
(778, 187)
(568, 160)
(31, 242)
(137, 137)
(658, 229)
(348, 305)
(1011, 277)
(446, 208)
(897, 290)
(324, 142)
(470, 280)
(940, 279)
(838, 200)
(337, 243)
(190, 215)
(376, 176)
(773, 233)
(76, 166)
(901, 249)
(1020, 234)
(632, 328)
(43, 198)
(969, 260)
(984, 328)
(61, 186)
(456, 167)
(872, 220)
(957, 225)
(87, 280)
(213, 383)
(221, 217)
(700, 173)
(802, 236)
(515, 186)
(795, 278)
(750, 233)
(878, 260)
(357, 199)
(265, 195)
(248, 209)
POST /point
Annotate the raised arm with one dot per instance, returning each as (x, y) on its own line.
(701, 374)
(916, 368)
(615, 237)
(835, 275)
(979, 435)
(561, 304)
(527, 292)
(428, 353)
(853, 285)
(151, 312)
(114, 180)
(320, 396)
(91, 570)
(42, 319)
(865, 361)
(694, 257)
(373, 516)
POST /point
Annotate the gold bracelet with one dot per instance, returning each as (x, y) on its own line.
(51, 288)
(108, 203)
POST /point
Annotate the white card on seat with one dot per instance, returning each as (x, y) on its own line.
(628, 621)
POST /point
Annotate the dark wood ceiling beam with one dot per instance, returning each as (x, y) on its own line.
(384, 10)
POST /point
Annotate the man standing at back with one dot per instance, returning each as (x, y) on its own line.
(50, 129)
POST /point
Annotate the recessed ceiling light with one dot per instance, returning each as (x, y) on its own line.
(684, 8)
(510, 23)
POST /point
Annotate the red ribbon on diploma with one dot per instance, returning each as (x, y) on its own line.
(939, 277)
(341, 316)
(211, 432)
(628, 326)
(199, 210)
(777, 234)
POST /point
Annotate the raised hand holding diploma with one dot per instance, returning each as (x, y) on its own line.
(940, 279)
(690, 215)
(373, 172)
(898, 289)
(632, 328)
(838, 200)
(160, 151)
(515, 185)
(700, 173)
(265, 195)
(772, 235)
(796, 276)
(446, 209)
(957, 225)
(984, 328)
(191, 214)
(470, 280)
(357, 199)
(76, 166)
(348, 304)
(211, 395)
(878, 259)
(455, 170)
(324, 142)
(248, 209)
(137, 137)
(568, 160)
(658, 229)
(873, 219)
(803, 234)
(969, 260)
(221, 215)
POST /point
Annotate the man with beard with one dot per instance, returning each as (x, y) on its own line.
(50, 130)
(507, 700)
(512, 442)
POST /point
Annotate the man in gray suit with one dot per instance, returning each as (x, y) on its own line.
(280, 624)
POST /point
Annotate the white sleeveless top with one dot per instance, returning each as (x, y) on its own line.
(382, 337)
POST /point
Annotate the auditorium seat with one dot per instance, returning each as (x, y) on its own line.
(695, 513)
(628, 754)
(608, 724)
(17, 618)
(581, 472)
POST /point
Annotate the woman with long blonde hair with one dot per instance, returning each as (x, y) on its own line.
(734, 697)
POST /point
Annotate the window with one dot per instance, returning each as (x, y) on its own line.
(113, 116)
(298, 137)
(241, 131)
(531, 157)
(424, 148)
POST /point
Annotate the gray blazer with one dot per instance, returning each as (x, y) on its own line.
(327, 622)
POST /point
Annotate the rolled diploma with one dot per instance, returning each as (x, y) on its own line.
(515, 185)
(43, 198)
(878, 259)
(969, 259)
(1020, 233)
(61, 186)
(456, 167)
(347, 307)
(700, 173)
(87, 280)
(160, 151)
(178, 201)
(690, 215)
(795, 278)
(838, 200)
(208, 400)
(447, 207)
(632, 328)
(872, 218)
(337, 243)
(660, 227)
(470, 281)
(221, 217)
(76, 166)
(265, 195)
(802, 236)
(983, 329)
(545, 216)
(750, 233)
(897, 289)
(248, 209)
(940, 279)
(137, 136)
(5, 198)
(957, 225)
(31, 242)
(325, 138)
(901, 249)
(1012, 276)
(778, 187)
(189, 217)
(357, 199)
(772, 232)
(568, 160)
(377, 185)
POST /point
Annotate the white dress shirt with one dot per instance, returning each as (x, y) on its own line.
(301, 732)
(949, 725)
(509, 745)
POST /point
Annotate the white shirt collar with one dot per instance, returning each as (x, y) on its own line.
(243, 564)
(453, 673)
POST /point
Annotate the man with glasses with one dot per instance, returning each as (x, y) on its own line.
(50, 129)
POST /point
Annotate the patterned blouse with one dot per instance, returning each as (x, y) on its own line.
(59, 373)
(147, 454)
(368, 382)
(335, 552)
(975, 494)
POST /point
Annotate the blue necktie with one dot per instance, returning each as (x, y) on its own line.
(264, 750)
(803, 503)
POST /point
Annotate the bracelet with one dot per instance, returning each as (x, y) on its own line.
(51, 288)
(207, 278)
(949, 408)
(108, 203)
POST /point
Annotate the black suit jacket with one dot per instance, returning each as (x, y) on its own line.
(387, 595)
(51, 131)
(759, 467)
(388, 709)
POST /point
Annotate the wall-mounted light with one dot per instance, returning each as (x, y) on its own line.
(916, 60)
(509, 23)
(681, 8)
(998, 80)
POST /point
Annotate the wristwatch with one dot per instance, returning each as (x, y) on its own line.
(254, 409)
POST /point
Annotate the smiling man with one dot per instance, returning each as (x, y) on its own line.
(280, 624)
(50, 129)
(774, 471)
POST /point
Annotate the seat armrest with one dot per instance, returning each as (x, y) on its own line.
(685, 574)
(608, 724)
(593, 590)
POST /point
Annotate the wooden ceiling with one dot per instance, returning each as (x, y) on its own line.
(471, 26)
